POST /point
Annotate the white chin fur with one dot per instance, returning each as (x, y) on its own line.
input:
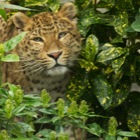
(57, 71)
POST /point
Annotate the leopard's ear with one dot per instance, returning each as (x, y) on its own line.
(68, 10)
(20, 20)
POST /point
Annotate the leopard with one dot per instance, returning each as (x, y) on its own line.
(48, 52)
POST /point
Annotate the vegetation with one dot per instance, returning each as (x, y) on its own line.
(108, 65)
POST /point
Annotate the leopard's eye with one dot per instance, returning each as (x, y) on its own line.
(61, 34)
(37, 39)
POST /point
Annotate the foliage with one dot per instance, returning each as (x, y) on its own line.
(15, 106)
(108, 65)
(9, 45)
(110, 60)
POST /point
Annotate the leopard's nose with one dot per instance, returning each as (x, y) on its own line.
(55, 55)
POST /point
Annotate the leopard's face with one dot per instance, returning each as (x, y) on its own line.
(51, 45)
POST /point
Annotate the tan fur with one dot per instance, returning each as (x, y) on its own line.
(47, 52)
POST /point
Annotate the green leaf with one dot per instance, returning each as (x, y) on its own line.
(19, 109)
(3, 13)
(108, 137)
(54, 6)
(12, 6)
(30, 3)
(79, 84)
(13, 88)
(127, 134)
(121, 91)
(95, 129)
(106, 4)
(89, 17)
(31, 113)
(91, 48)
(82, 4)
(12, 43)
(20, 129)
(47, 111)
(119, 138)
(45, 133)
(87, 65)
(117, 63)
(103, 91)
(110, 54)
(120, 23)
(31, 100)
(133, 119)
(135, 25)
(112, 126)
(20, 138)
(56, 119)
(10, 58)
(43, 120)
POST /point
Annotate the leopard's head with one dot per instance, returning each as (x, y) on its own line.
(52, 42)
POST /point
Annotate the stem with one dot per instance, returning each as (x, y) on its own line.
(83, 130)
(0, 73)
(83, 134)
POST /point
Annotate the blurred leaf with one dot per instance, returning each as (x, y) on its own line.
(87, 65)
(13, 88)
(112, 126)
(82, 4)
(109, 137)
(106, 4)
(43, 120)
(28, 112)
(117, 39)
(124, 5)
(20, 129)
(117, 63)
(12, 43)
(127, 134)
(18, 109)
(120, 23)
(121, 91)
(12, 6)
(54, 5)
(89, 17)
(10, 58)
(116, 77)
(119, 138)
(3, 13)
(20, 138)
(137, 68)
(103, 91)
(45, 133)
(135, 25)
(79, 84)
(95, 129)
(31, 100)
(133, 119)
(35, 2)
(47, 111)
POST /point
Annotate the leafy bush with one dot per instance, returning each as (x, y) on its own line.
(108, 66)
(110, 59)
(19, 114)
